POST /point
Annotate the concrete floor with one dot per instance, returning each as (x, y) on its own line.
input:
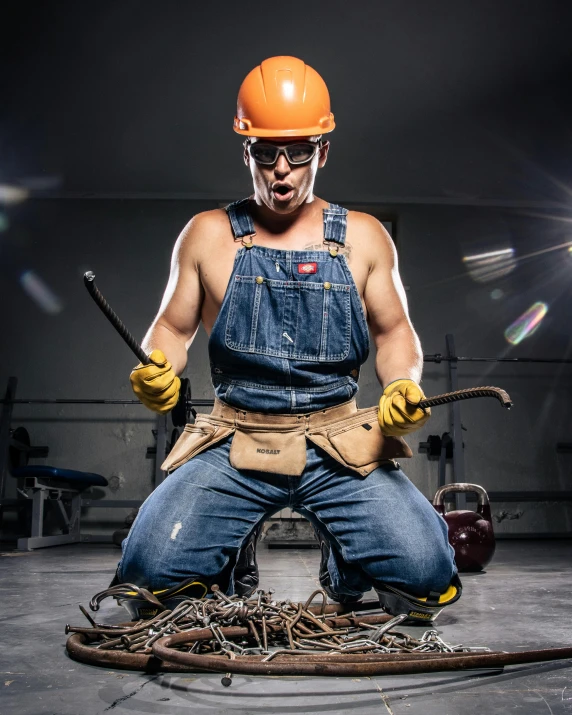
(522, 602)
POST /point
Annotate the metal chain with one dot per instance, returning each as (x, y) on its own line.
(268, 627)
(264, 636)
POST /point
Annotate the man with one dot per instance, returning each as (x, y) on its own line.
(286, 285)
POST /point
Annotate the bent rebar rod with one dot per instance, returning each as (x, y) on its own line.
(471, 392)
(337, 665)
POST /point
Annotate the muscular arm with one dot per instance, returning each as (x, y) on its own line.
(398, 350)
(178, 318)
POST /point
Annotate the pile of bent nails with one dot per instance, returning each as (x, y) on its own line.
(263, 636)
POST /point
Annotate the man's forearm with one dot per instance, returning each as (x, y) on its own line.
(160, 337)
(398, 356)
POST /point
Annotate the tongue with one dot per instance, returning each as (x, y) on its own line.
(283, 193)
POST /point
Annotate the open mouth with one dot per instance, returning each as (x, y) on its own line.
(282, 192)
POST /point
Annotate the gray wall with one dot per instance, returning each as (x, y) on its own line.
(127, 243)
(431, 99)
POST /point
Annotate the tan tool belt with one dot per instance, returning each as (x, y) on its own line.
(277, 443)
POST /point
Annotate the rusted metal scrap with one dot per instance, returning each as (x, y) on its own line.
(264, 636)
(301, 662)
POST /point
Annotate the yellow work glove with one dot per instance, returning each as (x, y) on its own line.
(398, 412)
(156, 384)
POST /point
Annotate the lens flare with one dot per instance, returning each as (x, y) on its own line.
(527, 324)
(497, 294)
(4, 223)
(42, 183)
(490, 265)
(40, 293)
(13, 194)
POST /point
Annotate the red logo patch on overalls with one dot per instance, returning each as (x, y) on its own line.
(307, 267)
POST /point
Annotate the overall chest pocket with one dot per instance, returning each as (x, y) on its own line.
(300, 320)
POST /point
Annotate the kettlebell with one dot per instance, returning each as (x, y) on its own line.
(470, 532)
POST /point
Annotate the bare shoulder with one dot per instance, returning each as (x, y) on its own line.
(368, 236)
(205, 223)
(202, 233)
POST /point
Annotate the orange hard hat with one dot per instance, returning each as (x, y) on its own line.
(283, 97)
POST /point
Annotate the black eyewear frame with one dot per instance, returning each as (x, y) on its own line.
(296, 154)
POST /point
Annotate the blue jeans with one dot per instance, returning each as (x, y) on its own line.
(380, 527)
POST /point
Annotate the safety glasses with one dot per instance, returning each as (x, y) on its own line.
(268, 154)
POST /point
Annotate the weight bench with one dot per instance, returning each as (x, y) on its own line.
(60, 486)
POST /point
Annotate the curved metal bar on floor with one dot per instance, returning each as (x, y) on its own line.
(340, 665)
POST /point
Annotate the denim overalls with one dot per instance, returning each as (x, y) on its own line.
(291, 334)
(290, 338)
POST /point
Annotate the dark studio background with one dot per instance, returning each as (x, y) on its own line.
(453, 120)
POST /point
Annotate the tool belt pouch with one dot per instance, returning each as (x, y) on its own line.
(268, 449)
(358, 443)
(195, 438)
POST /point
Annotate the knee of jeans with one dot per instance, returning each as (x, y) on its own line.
(430, 571)
(418, 571)
(156, 573)
(155, 577)
(436, 573)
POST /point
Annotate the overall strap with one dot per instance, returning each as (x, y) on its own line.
(335, 224)
(240, 219)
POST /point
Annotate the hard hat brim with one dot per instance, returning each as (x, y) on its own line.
(327, 125)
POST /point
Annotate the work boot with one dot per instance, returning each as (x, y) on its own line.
(246, 576)
(145, 603)
(418, 609)
(324, 575)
